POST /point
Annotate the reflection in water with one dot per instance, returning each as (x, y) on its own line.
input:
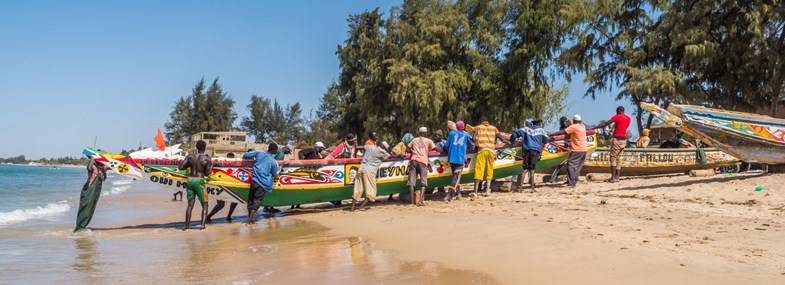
(86, 260)
(280, 250)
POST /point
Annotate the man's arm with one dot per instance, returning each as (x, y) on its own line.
(501, 138)
(274, 169)
(92, 173)
(249, 155)
(208, 169)
(338, 150)
(605, 124)
(185, 164)
(559, 133)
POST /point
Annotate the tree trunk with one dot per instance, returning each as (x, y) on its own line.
(775, 102)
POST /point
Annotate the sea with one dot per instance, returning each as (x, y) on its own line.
(38, 246)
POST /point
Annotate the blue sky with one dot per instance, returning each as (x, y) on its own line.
(74, 71)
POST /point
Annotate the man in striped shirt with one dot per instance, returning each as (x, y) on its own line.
(485, 136)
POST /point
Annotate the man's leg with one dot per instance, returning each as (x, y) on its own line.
(412, 180)
(556, 171)
(232, 206)
(531, 180)
(252, 207)
(218, 206)
(572, 177)
(618, 163)
(188, 213)
(204, 214)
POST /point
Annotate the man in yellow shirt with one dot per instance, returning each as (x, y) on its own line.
(484, 136)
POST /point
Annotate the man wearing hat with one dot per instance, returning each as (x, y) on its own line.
(312, 153)
(438, 140)
(347, 149)
(458, 141)
(577, 132)
(419, 165)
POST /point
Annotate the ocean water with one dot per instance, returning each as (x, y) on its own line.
(37, 246)
(36, 196)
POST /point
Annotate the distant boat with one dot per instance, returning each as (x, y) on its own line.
(748, 137)
(312, 181)
(655, 161)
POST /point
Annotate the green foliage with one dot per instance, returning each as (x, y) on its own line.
(205, 110)
(269, 121)
(732, 53)
(430, 61)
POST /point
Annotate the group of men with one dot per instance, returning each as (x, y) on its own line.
(532, 139)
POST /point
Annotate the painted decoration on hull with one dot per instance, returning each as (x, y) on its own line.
(308, 181)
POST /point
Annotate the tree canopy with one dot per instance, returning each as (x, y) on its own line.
(207, 109)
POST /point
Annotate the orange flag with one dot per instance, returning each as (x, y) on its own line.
(159, 140)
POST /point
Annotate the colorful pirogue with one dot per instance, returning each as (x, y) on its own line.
(311, 181)
(654, 161)
(746, 136)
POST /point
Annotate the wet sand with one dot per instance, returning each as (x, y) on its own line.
(660, 230)
(137, 238)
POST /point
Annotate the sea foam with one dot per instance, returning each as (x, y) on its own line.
(21, 215)
(118, 187)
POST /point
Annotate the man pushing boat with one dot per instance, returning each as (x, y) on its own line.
(264, 169)
(200, 166)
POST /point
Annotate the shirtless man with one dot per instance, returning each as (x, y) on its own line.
(200, 168)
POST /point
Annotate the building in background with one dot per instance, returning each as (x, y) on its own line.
(221, 144)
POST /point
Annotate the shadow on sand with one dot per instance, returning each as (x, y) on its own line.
(694, 181)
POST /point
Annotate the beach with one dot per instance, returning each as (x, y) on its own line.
(671, 229)
(649, 230)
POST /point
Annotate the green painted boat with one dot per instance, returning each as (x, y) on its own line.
(313, 181)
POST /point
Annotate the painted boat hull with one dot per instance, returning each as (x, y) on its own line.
(748, 137)
(314, 181)
(640, 161)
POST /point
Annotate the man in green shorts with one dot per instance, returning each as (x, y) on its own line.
(200, 168)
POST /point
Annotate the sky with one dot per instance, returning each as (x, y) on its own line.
(108, 72)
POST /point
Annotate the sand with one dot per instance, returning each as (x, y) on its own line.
(644, 230)
(655, 230)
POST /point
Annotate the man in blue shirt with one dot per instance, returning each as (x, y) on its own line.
(457, 143)
(264, 169)
(532, 140)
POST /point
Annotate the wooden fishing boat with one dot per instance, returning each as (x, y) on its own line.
(655, 161)
(746, 136)
(312, 181)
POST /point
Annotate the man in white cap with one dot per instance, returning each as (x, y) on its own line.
(419, 164)
(312, 153)
(577, 132)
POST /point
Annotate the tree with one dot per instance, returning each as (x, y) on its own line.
(202, 111)
(616, 46)
(269, 121)
(431, 60)
(732, 53)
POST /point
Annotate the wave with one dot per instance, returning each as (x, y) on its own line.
(21, 215)
(118, 187)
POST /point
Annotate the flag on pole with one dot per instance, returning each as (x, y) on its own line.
(159, 140)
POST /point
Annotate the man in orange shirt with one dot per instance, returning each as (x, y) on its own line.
(577, 132)
(484, 138)
(419, 164)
